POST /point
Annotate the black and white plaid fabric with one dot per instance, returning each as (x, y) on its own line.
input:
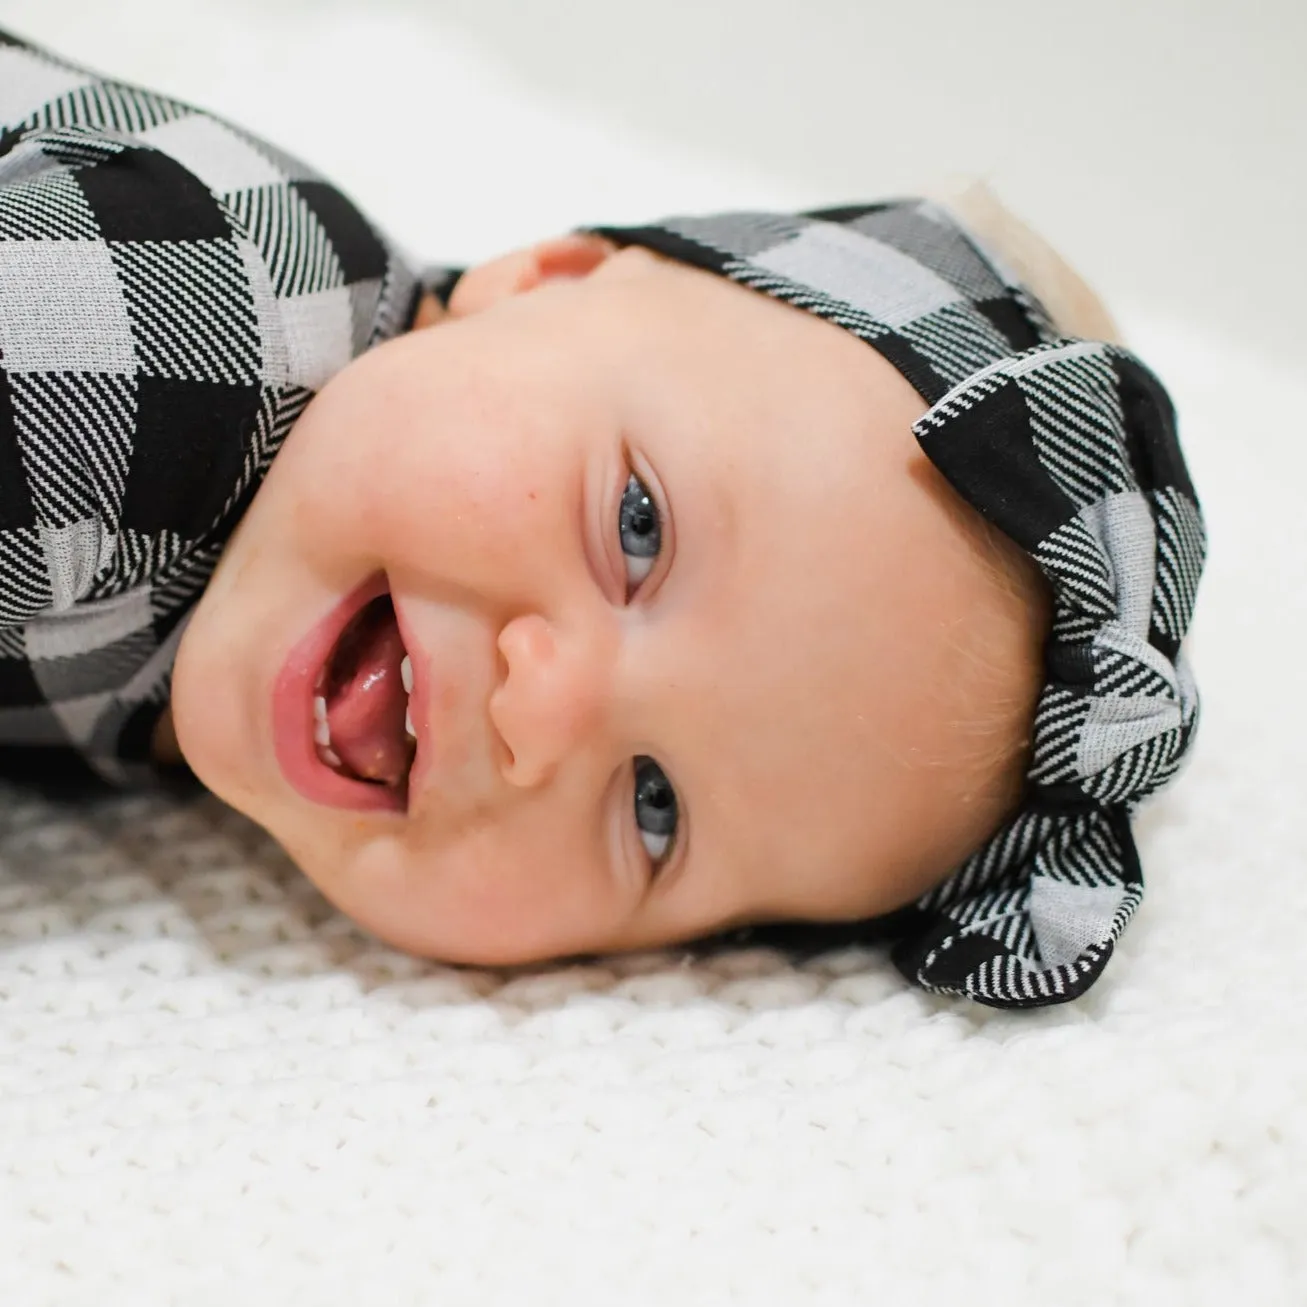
(1070, 447)
(172, 293)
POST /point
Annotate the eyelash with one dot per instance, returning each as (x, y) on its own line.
(639, 514)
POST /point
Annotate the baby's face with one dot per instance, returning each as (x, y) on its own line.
(696, 634)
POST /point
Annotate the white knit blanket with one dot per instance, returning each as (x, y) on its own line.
(215, 1090)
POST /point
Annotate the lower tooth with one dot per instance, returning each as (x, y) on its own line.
(408, 722)
(322, 734)
(330, 758)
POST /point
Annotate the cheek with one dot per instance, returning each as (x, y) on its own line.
(429, 480)
(524, 887)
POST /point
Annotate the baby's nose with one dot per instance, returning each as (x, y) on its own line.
(549, 700)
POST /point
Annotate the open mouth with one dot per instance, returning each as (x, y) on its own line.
(363, 726)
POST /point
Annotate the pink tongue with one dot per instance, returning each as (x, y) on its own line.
(366, 710)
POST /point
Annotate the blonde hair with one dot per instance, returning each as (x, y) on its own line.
(1001, 660)
(1072, 304)
(1000, 668)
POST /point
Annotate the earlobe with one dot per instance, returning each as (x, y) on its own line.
(564, 257)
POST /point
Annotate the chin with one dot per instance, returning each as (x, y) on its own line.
(214, 735)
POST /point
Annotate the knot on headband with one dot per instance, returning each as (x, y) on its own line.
(1070, 448)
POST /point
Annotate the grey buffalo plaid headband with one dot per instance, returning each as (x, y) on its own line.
(1069, 447)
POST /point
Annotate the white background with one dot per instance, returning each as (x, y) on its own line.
(1161, 144)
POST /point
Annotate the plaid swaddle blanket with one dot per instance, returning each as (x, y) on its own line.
(173, 291)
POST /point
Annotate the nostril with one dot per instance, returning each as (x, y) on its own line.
(498, 713)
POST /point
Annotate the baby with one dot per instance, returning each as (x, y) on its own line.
(637, 586)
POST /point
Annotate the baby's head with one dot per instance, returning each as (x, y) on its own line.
(696, 633)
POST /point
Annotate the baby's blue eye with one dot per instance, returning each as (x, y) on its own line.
(655, 809)
(639, 531)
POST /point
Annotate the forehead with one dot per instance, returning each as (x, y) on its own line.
(801, 500)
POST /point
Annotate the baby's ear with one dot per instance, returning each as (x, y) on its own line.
(572, 256)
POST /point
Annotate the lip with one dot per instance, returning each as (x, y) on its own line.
(292, 713)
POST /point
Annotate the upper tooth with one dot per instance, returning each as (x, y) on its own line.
(408, 722)
(319, 708)
(322, 734)
(406, 674)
